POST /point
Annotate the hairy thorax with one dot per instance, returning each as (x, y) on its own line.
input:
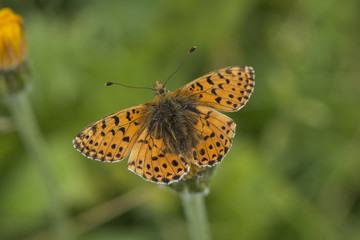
(173, 119)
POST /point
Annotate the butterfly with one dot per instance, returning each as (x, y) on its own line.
(175, 130)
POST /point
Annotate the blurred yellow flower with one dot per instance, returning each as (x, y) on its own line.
(13, 48)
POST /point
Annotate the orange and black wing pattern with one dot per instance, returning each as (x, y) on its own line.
(217, 131)
(111, 138)
(227, 89)
(150, 159)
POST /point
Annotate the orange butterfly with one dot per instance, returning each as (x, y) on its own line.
(173, 131)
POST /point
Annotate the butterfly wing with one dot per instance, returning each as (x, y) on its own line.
(150, 160)
(111, 138)
(227, 89)
(217, 132)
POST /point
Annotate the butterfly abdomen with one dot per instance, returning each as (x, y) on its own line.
(173, 120)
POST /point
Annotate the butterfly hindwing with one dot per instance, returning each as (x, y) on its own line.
(227, 89)
(150, 160)
(217, 132)
(111, 138)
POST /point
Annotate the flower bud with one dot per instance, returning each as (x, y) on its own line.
(14, 72)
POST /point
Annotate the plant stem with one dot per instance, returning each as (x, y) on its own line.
(29, 132)
(195, 213)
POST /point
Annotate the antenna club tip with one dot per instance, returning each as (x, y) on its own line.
(192, 49)
(109, 83)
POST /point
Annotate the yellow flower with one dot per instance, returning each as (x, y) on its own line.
(13, 48)
(14, 71)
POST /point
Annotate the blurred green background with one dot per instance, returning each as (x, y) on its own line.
(293, 171)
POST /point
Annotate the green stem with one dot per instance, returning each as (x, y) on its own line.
(29, 132)
(195, 213)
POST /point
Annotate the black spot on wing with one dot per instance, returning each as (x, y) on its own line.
(117, 120)
(122, 129)
(208, 79)
(165, 180)
(94, 129)
(200, 86)
(128, 116)
(218, 99)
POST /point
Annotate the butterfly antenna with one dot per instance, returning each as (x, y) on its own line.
(187, 54)
(113, 83)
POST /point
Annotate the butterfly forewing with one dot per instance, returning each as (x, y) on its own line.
(112, 137)
(226, 89)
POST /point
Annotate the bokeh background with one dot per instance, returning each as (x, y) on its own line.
(294, 169)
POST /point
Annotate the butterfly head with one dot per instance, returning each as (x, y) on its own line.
(160, 89)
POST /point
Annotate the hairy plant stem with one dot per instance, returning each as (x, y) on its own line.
(192, 190)
(29, 132)
(195, 213)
